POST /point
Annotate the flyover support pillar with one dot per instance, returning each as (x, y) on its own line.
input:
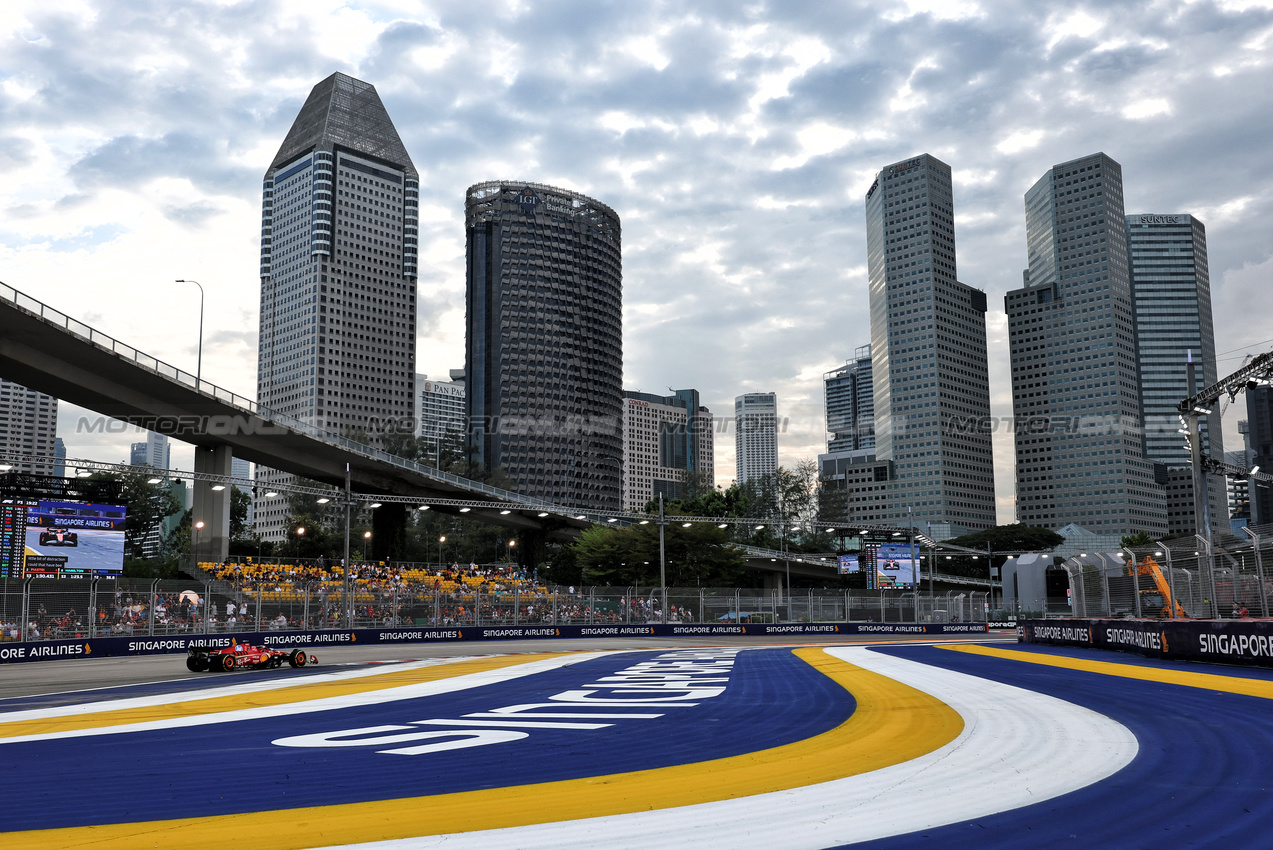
(211, 507)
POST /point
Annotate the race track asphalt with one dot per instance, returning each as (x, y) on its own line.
(642, 743)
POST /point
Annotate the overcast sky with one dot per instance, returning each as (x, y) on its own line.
(735, 140)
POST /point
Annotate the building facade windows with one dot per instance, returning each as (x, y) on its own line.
(339, 230)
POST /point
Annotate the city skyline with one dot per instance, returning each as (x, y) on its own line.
(729, 290)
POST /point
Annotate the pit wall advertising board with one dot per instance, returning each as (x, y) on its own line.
(1247, 642)
(51, 650)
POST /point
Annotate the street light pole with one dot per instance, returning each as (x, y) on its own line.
(441, 540)
(349, 605)
(198, 376)
(662, 560)
(198, 527)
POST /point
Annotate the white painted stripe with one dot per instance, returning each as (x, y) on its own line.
(218, 691)
(1018, 748)
(402, 692)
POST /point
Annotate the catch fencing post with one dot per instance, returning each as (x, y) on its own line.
(92, 606)
(24, 626)
(1259, 572)
(150, 618)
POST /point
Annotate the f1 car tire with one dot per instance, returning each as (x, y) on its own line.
(297, 658)
(227, 663)
(196, 665)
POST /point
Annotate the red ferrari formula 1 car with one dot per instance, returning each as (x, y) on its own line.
(203, 659)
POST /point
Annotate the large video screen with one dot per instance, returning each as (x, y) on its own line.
(848, 564)
(73, 539)
(895, 566)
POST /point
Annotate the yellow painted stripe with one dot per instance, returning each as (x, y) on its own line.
(1207, 681)
(213, 704)
(893, 723)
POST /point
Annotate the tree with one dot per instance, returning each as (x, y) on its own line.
(147, 505)
(619, 557)
(1016, 537)
(402, 444)
(314, 542)
(789, 495)
(240, 502)
(1140, 539)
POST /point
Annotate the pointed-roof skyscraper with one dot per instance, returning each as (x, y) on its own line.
(339, 223)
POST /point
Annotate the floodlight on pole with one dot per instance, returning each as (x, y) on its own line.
(198, 375)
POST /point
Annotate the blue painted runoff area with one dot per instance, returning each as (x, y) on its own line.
(772, 698)
(1201, 778)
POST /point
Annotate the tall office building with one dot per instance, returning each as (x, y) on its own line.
(850, 402)
(28, 429)
(1171, 292)
(440, 417)
(1259, 414)
(1239, 489)
(59, 453)
(755, 436)
(1238, 494)
(665, 439)
(544, 343)
(928, 349)
(338, 270)
(1075, 383)
(854, 487)
(154, 452)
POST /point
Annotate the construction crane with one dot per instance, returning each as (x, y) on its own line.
(1258, 371)
(1157, 600)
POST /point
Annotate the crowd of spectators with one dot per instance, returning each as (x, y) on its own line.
(310, 595)
(377, 576)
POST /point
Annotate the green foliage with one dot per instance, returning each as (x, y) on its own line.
(147, 504)
(1011, 538)
(619, 557)
(1139, 539)
(240, 502)
(315, 541)
(564, 568)
(164, 568)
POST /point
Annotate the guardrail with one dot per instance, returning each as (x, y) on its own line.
(60, 320)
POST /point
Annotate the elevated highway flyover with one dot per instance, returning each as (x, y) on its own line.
(46, 350)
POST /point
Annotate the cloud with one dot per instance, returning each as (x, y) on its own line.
(14, 153)
(133, 161)
(191, 215)
(736, 142)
